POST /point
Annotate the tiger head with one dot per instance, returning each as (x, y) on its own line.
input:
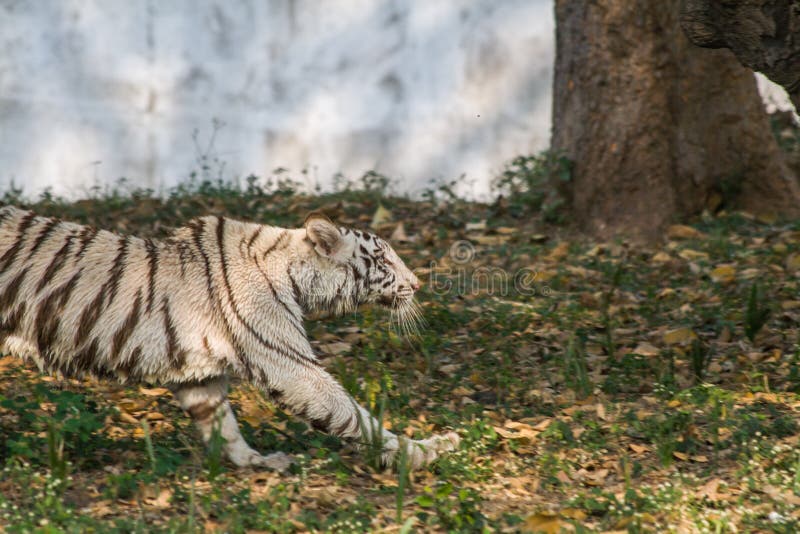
(366, 267)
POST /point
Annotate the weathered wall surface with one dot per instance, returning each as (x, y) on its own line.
(95, 90)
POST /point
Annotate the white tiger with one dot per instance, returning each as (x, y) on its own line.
(217, 297)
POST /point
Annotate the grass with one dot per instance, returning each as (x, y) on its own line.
(642, 391)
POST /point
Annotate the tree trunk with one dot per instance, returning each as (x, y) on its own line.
(764, 35)
(657, 128)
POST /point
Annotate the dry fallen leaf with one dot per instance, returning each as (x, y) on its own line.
(710, 490)
(679, 336)
(162, 500)
(793, 263)
(558, 253)
(573, 513)
(724, 274)
(519, 432)
(399, 234)
(544, 522)
(541, 426)
(381, 216)
(490, 240)
(781, 494)
(692, 255)
(128, 418)
(638, 449)
(646, 349)
(681, 231)
(661, 257)
(153, 392)
(479, 226)
(335, 348)
(596, 478)
(749, 274)
(7, 362)
(99, 509)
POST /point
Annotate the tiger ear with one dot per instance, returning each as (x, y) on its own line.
(323, 233)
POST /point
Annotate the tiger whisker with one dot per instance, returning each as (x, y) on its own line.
(407, 318)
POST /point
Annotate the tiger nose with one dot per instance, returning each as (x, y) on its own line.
(415, 284)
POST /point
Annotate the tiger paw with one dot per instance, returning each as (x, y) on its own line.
(448, 442)
(277, 461)
(244, 456)
(441, 444)
(426, 451)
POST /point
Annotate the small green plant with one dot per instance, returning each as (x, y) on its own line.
(55, 451)
(190, 519)
(453, 510)
(41, 502)
(71, 428)
(213, 456)
(478, 440)
(532, 183)
(756, 314)
(402, 477)
(148, 442)
(576, 372)
(793, 379)
(786, 131)
(667, 383)
(668, 431)
(762, 419)
(627, 373)
(699, 358)
(122, 486)
(614, 279)
(729, 188)
(721, 402)
(372, 429)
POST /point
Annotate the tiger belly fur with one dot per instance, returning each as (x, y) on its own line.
(216, 298)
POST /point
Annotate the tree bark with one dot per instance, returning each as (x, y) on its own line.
(764, 35)
(657, 129)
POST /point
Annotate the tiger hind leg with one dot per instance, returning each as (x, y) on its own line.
(207, 404)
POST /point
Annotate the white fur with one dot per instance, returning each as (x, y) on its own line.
(218, 297)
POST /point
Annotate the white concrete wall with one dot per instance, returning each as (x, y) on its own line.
(94, 90)
(420, 90)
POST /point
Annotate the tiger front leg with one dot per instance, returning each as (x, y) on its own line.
(419, 453)
(314, 395)
(207, 404)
